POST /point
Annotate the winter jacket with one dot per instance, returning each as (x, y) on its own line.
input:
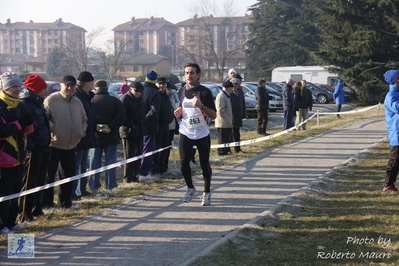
(135, 124)
(288, 100)
(152, 102)
(262, 99)
(13, 140)
(236, 106)
(224, 118)
(166, 115)
(305, 100)
(339, 94)
(392, 115)
(68, 121)
(88, 141)
(41, 137)
(110, 111)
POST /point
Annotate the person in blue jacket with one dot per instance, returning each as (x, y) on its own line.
(339, 95)
(391, 104)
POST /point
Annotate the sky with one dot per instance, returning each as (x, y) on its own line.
(94, 14)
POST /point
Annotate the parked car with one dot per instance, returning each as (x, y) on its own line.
(114, 89)
(348, 96)
(276, 103)
(250, 102)
(52, 86)
(323, 95)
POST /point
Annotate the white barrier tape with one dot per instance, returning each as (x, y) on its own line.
(76, 177)
(350, 112)
(225, 145)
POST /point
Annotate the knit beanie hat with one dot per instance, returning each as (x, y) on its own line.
(9, 80)
(100, 84)
(227, 84)
(85, 76)
(35, 84)
(391, 76)
(151, 77)
(137, 85)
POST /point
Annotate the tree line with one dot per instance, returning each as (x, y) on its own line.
(357, 38)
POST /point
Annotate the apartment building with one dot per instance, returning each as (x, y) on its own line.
(216, 43)
(145, 35)
(37, 39)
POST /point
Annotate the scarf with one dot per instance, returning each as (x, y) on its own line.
(10, 101)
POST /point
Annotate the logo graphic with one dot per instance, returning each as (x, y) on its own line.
(21, 246)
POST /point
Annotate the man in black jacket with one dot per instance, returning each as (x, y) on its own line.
(152, 102)
(109, 114)
(262, 106)
(133, 130)
(84, 93)
(38, 145)
(165, 117)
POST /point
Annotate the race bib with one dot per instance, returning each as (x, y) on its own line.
(195, 121)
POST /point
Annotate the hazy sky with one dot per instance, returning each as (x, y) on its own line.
(92, 14)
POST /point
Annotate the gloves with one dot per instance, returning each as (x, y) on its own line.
(26, 119)
(103, 128)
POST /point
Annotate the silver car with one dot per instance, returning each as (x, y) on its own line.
(276, 103)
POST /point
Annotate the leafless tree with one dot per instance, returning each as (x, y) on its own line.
(78, 54)
(112, 56)
(212, 39)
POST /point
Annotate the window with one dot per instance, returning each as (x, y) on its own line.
(135, 68)
(19, 33)
(141, 33)
(141, 41)
(122, 68)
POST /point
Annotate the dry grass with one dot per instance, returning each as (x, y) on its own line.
(104, 199)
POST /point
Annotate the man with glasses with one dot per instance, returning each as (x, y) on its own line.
(68, 123)
(133, 130)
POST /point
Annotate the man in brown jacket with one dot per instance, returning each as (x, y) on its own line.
(68, 123)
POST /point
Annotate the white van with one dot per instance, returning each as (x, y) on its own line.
(314, 74)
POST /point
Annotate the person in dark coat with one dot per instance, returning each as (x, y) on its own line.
(84, 93)
(288, 104)
(109, 115)
(262, 106)
(38, 145)
(165, 117)
(133, 130)
(239, 110)
(152, 101)
(305, 104)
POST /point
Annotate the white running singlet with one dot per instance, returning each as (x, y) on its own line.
(193, 124)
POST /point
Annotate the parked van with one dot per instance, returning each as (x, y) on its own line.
(314, 74)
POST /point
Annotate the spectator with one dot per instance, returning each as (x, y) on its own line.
(38, 145)
(165, 117)
(109, 115)
(288, 104)
(124, 88)
(262, 107)
(230, 74)
(224, 117)
(392, 119)
(196, 106)
(173, 126)
(68, 123)
(239, 109)
(133, 129)
(84, 93)
(296, 89)
(339, 96)
(16, 122)
(152, 102)
(305, 103)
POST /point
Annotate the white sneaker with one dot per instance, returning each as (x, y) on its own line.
(6, 231)
(206, 199)
(74, 207)
(189, 194)
(17, 228)
(145, 177)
